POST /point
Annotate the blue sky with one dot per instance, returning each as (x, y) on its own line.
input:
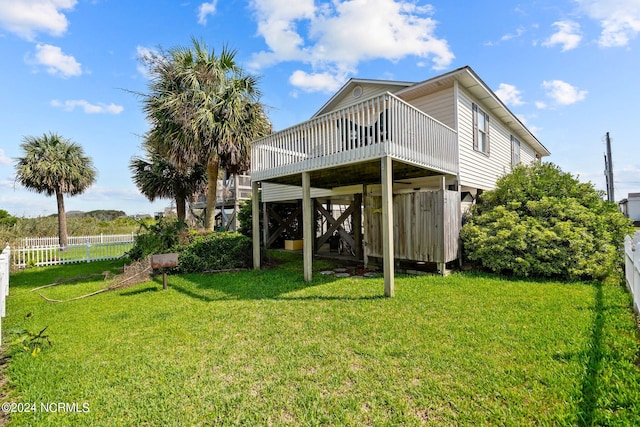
(567, 68)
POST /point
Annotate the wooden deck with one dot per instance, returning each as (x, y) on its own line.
(354, 137)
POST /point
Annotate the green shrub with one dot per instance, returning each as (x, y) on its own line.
(7, 220)
(164, 236)
(216, 251)
(540, 221)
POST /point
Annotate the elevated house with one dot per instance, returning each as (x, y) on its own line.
(404, 158)
(231, 190)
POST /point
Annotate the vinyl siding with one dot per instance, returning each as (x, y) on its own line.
(278, 192)
(479, 170)
(368, 91)
(527, 154)
(439, 105)
(633, 208)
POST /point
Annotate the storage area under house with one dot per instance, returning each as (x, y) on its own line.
(391, 169)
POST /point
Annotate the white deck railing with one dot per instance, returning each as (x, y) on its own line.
(632, 266)
(373, 128)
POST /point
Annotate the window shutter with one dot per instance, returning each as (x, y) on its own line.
(475, 126)
(488, 137)
(513, 151)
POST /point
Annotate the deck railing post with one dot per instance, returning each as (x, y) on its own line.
(255, 226)
(386, 172)
(307, 227)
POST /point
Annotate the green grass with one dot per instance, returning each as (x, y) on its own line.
(260, 348)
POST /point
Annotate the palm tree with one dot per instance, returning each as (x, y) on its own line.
(203, 109)
(157, 177)
(54, 165)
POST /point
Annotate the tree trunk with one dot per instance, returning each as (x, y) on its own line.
(62, 220)
(181, 208)
(212, 177)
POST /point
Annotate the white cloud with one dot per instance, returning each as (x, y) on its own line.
(519, 32)
(108, 194)
(26, 18)
(619, 19)
(562, 93)
(509, 94)
(144, 53)
(536, 130)
(568, 35)
(333, 38)
(508, 36)
(316, 82)
(87, 107)
(206, 9)
(4, 160)
(57, 63)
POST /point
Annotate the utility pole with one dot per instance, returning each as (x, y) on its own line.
(608, 170)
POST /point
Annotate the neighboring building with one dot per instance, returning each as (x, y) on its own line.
(381, 144)
(230, 192)
(630, 207)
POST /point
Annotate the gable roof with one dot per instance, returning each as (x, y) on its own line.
(466, 78)
(469, 80)
(351, 84)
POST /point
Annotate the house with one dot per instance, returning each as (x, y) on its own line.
(231, 190)
(403, 156)
(630, 207)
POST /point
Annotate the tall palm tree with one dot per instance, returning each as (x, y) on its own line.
(54, 165)
(157, 177)
(203, 108)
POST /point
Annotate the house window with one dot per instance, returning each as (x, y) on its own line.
(515, 151)
(480, 130)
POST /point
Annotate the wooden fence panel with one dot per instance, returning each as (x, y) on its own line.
(426, 225)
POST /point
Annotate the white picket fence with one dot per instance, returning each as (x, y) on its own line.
(632, 267)
(5, 260)
(28, 242)
(40, 252)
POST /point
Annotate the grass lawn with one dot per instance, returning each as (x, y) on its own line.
(266, 348)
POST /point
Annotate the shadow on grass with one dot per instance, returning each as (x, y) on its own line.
(39, 276)
(332, 298)
(590, 383)
(250, 285)
(139, 291)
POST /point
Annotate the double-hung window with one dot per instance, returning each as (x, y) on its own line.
(480, 130)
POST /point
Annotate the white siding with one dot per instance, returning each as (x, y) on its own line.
(439, 105)
(527, 154)
(278, 192)
(633, 208)
(368, 91)
(477, 169)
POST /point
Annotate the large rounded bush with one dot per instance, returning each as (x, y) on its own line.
(541, 221)
(216, 251)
